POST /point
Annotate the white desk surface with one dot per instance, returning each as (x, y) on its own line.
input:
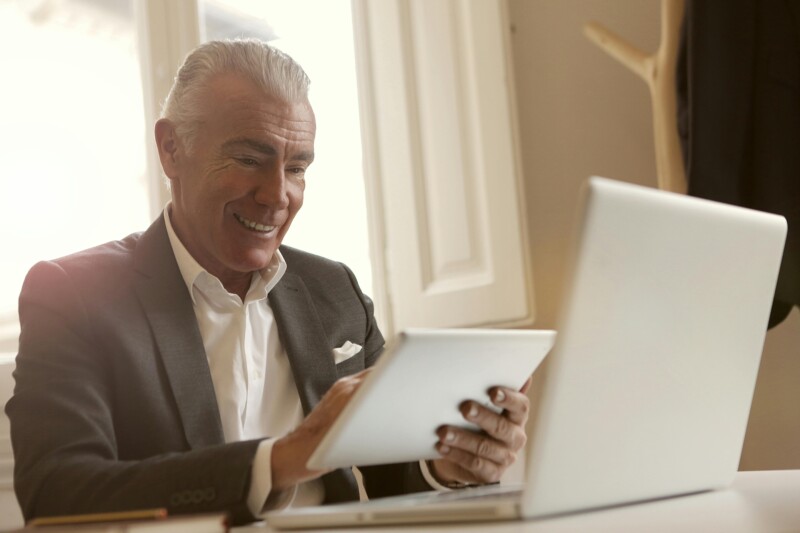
(759, 502)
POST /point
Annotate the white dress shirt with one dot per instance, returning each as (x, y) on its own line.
(253, 382)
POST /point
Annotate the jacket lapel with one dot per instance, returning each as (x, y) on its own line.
(304, 339)
(314, 371)
(168, 307)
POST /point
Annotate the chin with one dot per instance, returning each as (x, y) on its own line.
(254, 261)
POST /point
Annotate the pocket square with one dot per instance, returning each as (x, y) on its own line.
(345, 352)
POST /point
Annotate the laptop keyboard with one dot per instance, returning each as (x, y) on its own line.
(489, 492)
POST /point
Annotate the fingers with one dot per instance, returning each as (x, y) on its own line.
(483, 456)
(470, 468)
(318, 421)
(291, 452)
(515, 404)
(347, 385)
(476, 445)
(503, 433)
(296, 447)
(339, 395)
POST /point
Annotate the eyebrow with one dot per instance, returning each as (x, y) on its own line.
(250, 143)
(264, 148)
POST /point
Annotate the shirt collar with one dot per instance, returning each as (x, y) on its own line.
(195, 276)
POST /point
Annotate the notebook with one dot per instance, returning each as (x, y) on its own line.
(393, 416)
(649, 385)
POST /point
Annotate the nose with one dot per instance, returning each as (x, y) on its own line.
(271, 189)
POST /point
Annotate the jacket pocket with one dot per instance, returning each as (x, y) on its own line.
(351, 366)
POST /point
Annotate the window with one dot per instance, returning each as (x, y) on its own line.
(71, 136)
(449, 244)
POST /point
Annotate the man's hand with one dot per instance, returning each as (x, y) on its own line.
(291, 453)
(478, 458)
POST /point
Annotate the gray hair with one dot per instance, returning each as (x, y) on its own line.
(268, 68)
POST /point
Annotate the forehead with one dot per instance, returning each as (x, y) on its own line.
(237, 107)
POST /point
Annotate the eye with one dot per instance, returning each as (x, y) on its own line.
(247, 161)
(297, 172)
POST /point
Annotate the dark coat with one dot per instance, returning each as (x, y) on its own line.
(114, 407)
(739, 114)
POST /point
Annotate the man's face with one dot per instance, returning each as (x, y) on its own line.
(236, 193)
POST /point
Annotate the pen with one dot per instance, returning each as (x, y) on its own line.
(143, 514)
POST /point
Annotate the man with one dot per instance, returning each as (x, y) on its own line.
(192, 366)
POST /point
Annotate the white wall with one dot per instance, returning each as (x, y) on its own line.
(581, 113)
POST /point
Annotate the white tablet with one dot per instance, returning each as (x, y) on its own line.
(417, 386)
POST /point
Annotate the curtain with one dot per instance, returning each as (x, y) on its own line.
(738, 85)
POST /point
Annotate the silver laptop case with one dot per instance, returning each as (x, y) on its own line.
(648, 389)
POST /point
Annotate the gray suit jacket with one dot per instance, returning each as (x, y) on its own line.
(114, 406)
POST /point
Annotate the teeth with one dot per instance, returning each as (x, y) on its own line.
(254, 225)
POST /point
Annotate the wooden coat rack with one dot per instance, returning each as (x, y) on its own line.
(658, 71)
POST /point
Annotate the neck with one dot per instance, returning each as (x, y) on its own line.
(238, 285)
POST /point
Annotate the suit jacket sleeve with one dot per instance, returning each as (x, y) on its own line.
(66, 430)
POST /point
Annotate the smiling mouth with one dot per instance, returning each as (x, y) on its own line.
(253, 226)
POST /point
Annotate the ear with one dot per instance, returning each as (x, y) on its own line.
(167, 143)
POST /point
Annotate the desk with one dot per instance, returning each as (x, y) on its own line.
(757, 502)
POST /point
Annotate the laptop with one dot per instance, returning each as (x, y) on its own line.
(649, 385)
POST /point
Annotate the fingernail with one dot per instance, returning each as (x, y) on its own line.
(450, 437)
(499, 396)
(473, 412)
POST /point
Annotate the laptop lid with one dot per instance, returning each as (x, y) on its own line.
(649, 386)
